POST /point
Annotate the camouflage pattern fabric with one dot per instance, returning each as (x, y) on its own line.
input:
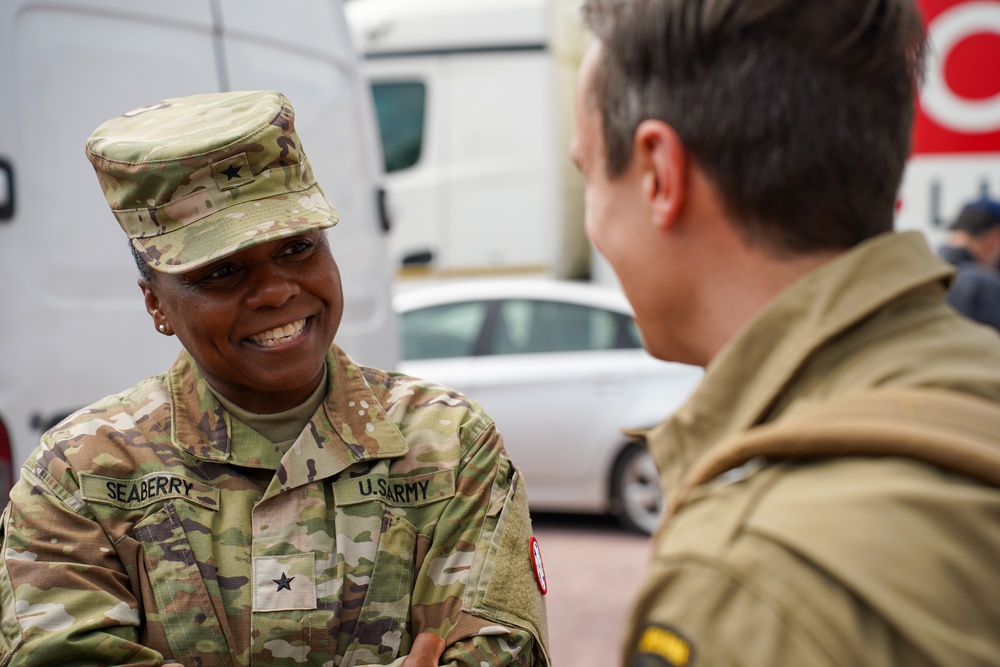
(140, 534)
(192, 179)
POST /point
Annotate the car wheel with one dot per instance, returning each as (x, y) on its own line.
(637, 500)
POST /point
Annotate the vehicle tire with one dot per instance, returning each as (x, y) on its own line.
(636, 495)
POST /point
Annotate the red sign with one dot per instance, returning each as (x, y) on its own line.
(959, 109)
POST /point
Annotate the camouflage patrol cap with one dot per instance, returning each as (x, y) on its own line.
(194, 179)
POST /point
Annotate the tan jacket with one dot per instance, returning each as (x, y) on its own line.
(808, 547)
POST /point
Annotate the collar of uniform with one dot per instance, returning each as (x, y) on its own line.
(351, 426)
(197, 419)
(749, 374)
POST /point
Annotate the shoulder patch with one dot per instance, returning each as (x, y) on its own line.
(136, 492)
(537, 565)
(662, 646)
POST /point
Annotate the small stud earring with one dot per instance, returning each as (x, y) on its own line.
(162, 328)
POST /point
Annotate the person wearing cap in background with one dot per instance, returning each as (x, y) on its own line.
(833, 482)
(265, 501)
(974, 249)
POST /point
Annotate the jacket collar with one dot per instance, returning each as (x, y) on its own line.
(750, 373)
(349, 427)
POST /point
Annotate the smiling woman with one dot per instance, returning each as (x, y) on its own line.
(259, 322)
(266, 498)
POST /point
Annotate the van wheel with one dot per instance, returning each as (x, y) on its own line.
(636, 498)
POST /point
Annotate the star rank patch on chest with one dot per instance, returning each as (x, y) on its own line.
(283, 583)
(537, 566)
(662, 646)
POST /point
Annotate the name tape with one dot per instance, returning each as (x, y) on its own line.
(146, 490)
(398, 491)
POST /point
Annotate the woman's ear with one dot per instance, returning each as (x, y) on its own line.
(153, 308)
(665, 159)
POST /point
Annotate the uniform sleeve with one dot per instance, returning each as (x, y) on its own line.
(701, 613)
(476, 586)
(64, 594)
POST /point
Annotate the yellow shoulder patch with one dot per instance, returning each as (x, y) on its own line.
(660, 646)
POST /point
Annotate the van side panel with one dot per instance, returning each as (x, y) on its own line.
(75, 327)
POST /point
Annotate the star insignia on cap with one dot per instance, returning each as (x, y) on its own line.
(285, 582)
(231, 173)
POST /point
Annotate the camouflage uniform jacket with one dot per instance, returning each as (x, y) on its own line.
(138, 535)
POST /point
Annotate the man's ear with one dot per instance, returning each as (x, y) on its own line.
(663, 156)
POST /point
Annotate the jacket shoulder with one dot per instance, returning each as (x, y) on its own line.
(870, 558)
(102, 433)
(417, 404)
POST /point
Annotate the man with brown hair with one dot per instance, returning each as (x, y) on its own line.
(833, 480)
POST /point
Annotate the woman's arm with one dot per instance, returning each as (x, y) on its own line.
(476, 587)
(65, 596)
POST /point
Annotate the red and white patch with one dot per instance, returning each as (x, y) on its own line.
(537, 566)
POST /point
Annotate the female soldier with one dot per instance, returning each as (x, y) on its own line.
(266, 501)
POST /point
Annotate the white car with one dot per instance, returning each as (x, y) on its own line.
(560, 367)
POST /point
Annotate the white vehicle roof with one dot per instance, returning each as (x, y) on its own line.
(400, 26)
(512, 288)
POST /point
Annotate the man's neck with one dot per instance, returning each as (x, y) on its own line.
(743, 284)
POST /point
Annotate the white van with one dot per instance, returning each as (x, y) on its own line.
(73, 323)
(474, 100)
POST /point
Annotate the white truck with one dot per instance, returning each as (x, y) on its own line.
(73, 323)
(474, 100)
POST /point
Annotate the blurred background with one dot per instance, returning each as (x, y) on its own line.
(440, 130)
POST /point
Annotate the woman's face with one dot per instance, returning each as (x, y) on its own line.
(258, 323)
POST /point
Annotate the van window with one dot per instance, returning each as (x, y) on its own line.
(400, 110)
